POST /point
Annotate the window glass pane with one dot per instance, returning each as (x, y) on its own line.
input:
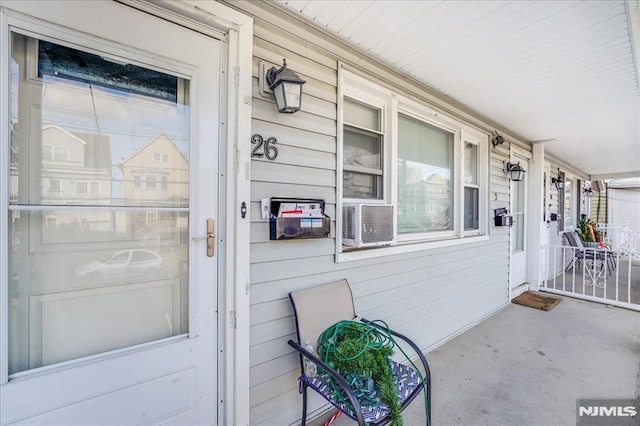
(517, 196)
(471, 220)
(470, 163)
(425, 174)
(568, 203)
(361, 115)
(361, 149)
(98, 120)
(361, 185)
(518, 233)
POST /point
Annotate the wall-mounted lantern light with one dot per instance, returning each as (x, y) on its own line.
(498, 140)
(588, 192)
(514, 171)
(558, 182)
(287, 88)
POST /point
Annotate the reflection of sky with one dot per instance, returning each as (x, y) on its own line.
(130, 120)
(126, 105)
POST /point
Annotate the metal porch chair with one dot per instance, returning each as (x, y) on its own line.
(320, 307)
(582, 253)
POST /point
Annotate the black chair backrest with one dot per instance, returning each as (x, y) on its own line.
(573, 239)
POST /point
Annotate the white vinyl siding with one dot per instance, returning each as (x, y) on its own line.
(431, 295)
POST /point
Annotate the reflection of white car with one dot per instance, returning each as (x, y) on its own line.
(123, 263)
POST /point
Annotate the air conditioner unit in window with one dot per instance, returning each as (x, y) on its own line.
(366, 225)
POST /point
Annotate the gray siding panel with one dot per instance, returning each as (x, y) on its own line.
(430, 295)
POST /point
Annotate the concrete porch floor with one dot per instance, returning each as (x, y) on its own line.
(523, 366)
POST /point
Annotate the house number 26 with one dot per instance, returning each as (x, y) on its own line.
(264, 148)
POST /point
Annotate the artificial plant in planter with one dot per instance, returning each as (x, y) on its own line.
(588, 232)
(360, 352)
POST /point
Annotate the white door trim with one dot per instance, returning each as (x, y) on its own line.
(234, 166)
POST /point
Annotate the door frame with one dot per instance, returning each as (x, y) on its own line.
(209, 17)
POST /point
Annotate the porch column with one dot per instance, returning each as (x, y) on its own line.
(536, 223)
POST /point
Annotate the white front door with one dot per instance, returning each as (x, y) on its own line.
(109, 288)
(518, 263)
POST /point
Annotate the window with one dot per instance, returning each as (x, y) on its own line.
(137, 181)
(471, 187)
(432, 168)
(164, 183)
(424, 178)
(160, 157)
(60, 153)
(57, 153)
(568, 212)
(54, 185)
(150, 181)
(81, 188)
(362, 151)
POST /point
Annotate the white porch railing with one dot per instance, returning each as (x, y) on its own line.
(600, 275)
(621, 238)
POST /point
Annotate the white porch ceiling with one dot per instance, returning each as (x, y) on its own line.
(562, 70)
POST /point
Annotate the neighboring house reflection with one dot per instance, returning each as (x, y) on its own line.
(76, 169)
(156, 174)
(426, 203)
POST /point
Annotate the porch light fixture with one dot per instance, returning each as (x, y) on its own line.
(286, 87)
(514, 171)
(588, 192)
(498, 140)
(558, 182)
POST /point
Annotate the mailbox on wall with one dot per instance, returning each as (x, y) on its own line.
(298, 218)
(502, 218)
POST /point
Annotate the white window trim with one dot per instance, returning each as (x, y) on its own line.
(481, 141)
(391, 103)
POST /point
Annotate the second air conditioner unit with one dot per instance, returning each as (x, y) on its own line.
(367, 225)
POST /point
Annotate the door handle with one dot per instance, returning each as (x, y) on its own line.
(210, 237)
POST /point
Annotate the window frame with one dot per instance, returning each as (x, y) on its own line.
(392, 103)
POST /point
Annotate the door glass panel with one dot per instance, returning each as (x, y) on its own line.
(518, 200)
(568, 204)
(99, 197)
